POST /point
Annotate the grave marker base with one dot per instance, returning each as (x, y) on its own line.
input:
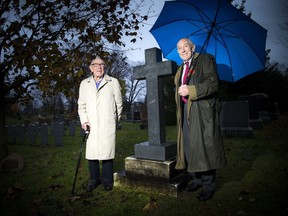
(152, 176)
(165, 151)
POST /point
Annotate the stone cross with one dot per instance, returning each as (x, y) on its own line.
(153, 71)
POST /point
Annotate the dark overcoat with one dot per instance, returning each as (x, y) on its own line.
(203, 110)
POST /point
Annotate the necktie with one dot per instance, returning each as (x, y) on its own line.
(185, 73)
(184, 79)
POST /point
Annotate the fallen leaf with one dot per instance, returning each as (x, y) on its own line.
(152, 205)
(56, 175)
(55, 187)
(37, 202)
(14, 192)
(74, 198)
(240, 212)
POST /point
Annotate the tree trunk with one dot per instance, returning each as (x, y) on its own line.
(3, 134)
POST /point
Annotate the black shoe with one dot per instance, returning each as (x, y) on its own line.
(108, 186)
(92, 184)
(205, 195)
(192, 187)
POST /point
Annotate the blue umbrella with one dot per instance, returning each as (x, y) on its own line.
(216, 27)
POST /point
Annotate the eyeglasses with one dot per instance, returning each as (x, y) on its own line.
(96, 65)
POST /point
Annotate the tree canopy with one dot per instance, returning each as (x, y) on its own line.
(47, 44)
(44, 41)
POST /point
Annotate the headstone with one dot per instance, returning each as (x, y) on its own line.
(265, 116)
(254, 121)
(154, 69)
(44, 134)
(82, 132)
(58, 133)
(274, 111)
(60, 118)
(234, 119)
(118, 126)
(11, 133)
(144, 123)
(32, 133)
(13, 162)
(20, 132)
(253, 105)
(263, 103)
(72, 128)
(136, 115)
(78, 123)
(129, 116)
(153, 166)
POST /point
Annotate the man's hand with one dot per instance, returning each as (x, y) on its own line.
(183, 90)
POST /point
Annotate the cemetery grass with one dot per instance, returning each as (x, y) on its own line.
(254, 181)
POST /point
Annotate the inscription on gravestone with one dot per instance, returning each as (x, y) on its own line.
(154, 69)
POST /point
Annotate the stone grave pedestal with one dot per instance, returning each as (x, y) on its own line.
(152, 175)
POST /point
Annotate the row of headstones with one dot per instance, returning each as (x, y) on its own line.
(237, 118)
(21, 134)
(241, 117)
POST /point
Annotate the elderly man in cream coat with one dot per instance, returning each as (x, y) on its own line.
(100, 107)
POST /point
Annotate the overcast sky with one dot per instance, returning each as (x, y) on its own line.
(267, 13)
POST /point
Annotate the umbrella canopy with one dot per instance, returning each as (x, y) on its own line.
(216, 27)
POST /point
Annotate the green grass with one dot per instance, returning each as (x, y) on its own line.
(254, 181)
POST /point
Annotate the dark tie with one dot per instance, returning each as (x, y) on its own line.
(184, 79)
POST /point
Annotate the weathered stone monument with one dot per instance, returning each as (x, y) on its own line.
(153, 165)
(234, 119)
(13, 162)
(156, 148)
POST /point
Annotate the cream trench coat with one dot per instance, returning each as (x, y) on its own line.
(102, 108)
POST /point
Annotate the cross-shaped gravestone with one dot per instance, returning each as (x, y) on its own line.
(154, 69)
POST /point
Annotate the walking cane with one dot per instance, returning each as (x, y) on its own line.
(87, 131)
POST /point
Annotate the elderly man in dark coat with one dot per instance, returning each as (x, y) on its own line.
(199, 142)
